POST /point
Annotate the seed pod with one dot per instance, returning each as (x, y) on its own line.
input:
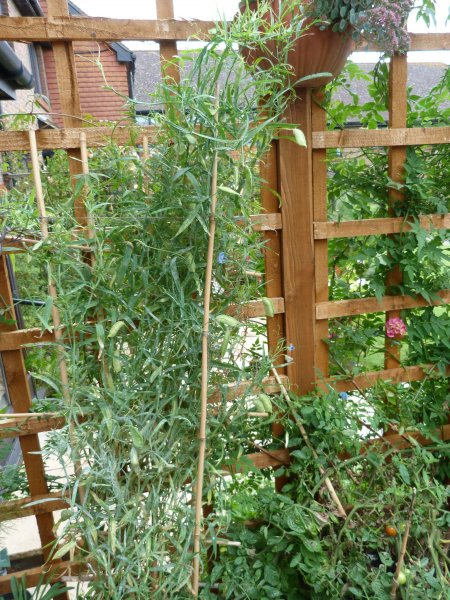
(134, 458)
(108, 418)
(259, 406)
(117, 363)
(225, 342)
(116, 328)
(190, 262)
(266, 402)
(136, 436)
(228, 321)
(268, 307)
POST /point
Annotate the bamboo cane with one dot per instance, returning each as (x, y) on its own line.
(205, 367)
(145, 157)
(145, 152)
(401, 557)
(56, 316)
(327, 481)
(85, 172)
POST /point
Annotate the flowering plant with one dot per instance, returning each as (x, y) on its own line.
(395, 327)
(382, 22)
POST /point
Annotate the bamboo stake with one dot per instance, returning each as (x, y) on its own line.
(205, 367)
(43, 415)
(401, 557)
(85, 171)
(327, 481)
(145, 152)
(145, 157)
(56, 316)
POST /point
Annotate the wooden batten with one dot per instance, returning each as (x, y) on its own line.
(20, 395)
(266, 222)
(14, 340)
(407, 440)
(260, 460)
(69, 137)
(41, 504)
(17, 426)
(343, 229)
(168, 47)
(50, 572)
(361, 306)
(366, 138)
(296, 189)
(231, 391)
(255, 309)
(366, 380)
(321, 257)
(59, 28)
(39, 29)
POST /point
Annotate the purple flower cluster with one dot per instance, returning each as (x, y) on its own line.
(385, 24)
(395, 327)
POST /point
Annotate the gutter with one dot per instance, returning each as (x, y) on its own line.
(13, 70)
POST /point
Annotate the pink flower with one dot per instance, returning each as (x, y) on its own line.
(395, 327)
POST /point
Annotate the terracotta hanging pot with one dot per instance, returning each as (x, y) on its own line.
(316, 51)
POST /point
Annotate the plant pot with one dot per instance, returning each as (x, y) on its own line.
(316, 51)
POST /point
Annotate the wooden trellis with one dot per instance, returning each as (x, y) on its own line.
(296, 237)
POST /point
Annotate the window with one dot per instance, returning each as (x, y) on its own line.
(35, 69)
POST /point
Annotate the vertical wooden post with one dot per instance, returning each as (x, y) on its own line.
(20, 396)
(168, 49)
(273, 268)
(272, 252)
(398, 79)
(319, 167)
(69, 95)
(295, 171)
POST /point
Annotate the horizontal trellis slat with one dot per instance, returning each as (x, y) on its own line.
(419, 42)
(268, 222)
(18, 426)
(68, 139)
(342, 229)
(97, 29)
(13, 340)
(255, 308)
(77, 28)
(366, 138)
(360, 306)
(400, 442)
(17, 509)
(50, 572)
(262, 460)
(232, 391)
(366, 380)
(430, 41)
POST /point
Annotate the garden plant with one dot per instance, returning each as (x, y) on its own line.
(134, 304)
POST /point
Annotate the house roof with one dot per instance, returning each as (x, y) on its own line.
(123, 53)
(422, 77)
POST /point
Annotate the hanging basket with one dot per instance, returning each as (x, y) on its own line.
(316, 51)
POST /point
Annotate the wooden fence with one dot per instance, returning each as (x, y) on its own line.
(296, 238)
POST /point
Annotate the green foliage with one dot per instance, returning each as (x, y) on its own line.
(135, 312)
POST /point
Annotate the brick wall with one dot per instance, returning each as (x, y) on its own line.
(95, 100)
